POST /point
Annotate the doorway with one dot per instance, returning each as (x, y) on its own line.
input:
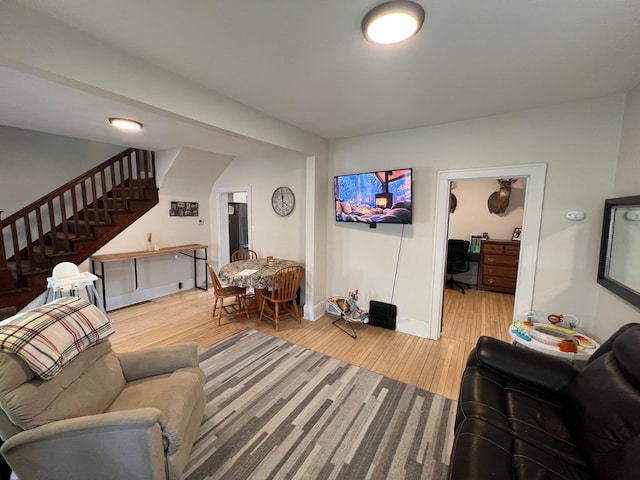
(234, 221)
(238, 225)
(535, 175)
(471, 306)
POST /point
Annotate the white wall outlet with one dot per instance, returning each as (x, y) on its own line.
(576, 215)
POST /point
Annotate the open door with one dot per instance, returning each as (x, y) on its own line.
(234, 221)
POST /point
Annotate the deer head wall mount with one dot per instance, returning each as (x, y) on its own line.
(499, 201)
(453, 201)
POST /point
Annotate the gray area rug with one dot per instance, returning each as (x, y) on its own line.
(276, 410)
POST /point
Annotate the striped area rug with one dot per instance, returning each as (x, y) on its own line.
(276, 410)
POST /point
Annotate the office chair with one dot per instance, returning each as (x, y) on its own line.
(457, 262)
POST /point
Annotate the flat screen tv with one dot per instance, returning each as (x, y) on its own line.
(374, 197)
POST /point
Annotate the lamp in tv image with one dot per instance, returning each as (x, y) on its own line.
(374, 197)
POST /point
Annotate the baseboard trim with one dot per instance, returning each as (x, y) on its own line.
(412, 327)
(314, 312)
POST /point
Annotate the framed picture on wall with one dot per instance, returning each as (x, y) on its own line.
(183, 209)
(517, 233)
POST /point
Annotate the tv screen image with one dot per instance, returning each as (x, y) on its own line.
(374, 197)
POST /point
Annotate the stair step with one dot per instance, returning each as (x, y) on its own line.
(48, 251)
(7, 312)
(26, 269)
(118, 203)
(8, 293)
(73, 236)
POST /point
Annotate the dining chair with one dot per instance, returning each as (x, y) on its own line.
(243, 254)
(284, 288)
(221, 293)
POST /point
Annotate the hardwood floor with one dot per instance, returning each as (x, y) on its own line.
(434, 366)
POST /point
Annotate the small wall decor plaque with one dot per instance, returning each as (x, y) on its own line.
(517, 234)
(184, 209)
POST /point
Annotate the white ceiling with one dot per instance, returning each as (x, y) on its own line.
(305, 62)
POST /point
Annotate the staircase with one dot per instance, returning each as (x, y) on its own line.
(73, 222)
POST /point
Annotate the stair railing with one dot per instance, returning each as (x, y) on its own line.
(70, 208)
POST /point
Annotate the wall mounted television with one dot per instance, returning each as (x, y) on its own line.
(374, 197)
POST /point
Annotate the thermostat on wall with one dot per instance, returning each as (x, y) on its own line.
(576, 215)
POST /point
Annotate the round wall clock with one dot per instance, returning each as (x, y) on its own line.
(283, 200)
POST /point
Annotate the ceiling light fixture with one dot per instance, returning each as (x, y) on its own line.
(393, 22)
(125, 124)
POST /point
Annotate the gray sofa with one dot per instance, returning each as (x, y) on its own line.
(128, 416)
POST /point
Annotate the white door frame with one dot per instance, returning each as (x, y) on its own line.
(534, 194)
(222, 195)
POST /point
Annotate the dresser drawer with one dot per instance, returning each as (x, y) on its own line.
(490, 281)
(512, 250)
(491, 248)
(499, 271)
(491, 259)
(499, 265)
(501, 249)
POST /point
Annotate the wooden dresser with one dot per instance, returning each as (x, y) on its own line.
(499, 265)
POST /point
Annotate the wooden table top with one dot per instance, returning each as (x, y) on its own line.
(236, 273)
(116, 257)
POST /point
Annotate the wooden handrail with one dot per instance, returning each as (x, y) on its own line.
(69, 208)
(88, 174)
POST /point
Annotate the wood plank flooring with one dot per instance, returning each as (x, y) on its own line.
(434, 366)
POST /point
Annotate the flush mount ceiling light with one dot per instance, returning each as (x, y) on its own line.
(125, 124)
(393, 22)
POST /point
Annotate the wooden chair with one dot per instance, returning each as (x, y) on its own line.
(221, 293)
(243, 254)
(286, 281)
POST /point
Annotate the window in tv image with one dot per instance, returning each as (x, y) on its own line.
(375, 197)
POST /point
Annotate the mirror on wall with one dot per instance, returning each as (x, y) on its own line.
(619, 266)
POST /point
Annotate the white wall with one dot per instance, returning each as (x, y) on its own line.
(579, 142)
(282, 237)
(612, 311)
(157, 276)
(33, 163)
(472, 216)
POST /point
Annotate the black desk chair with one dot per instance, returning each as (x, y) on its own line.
(457, 262)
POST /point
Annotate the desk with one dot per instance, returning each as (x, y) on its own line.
(253, 273)
(119, 257)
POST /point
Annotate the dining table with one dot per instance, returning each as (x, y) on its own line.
(256, 273)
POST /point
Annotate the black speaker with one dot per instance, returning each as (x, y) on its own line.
(382, 314)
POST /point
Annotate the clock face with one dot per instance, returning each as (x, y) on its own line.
(283, 200)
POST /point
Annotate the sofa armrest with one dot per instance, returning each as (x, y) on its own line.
(157, 361)
(524, 365)
(125, 444)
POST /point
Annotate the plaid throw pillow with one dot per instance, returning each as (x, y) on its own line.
(49, 337)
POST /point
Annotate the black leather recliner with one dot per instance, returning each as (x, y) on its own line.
(526, 415)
